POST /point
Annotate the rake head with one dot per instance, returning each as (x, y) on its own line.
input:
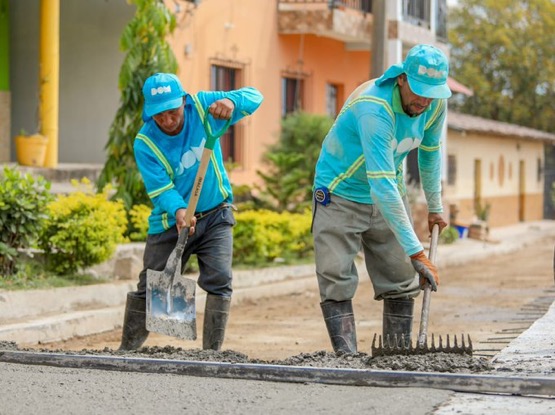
(402, 346)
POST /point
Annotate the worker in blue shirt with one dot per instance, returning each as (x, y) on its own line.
(168, 150)
(360, 197)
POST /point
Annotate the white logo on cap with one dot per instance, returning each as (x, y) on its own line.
(431, 72)
(161, 90)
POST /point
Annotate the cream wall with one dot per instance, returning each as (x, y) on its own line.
(500, 158)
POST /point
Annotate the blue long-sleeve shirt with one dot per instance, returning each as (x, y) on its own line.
(169, 164)
(362, 155)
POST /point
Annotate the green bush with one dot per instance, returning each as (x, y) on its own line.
(449, 235)
(82, 229)
(290, 164)
(23, 201)
(263, 236)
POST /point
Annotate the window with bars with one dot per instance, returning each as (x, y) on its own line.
(225, 79)
(292, 95)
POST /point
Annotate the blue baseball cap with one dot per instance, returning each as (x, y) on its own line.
(162, 92)
(427, 69)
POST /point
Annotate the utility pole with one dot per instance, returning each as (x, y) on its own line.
(379, 38)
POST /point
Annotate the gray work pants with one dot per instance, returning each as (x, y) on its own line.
(340, 230)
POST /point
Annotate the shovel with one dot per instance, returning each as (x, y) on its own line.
(392, 347)
(170, 297)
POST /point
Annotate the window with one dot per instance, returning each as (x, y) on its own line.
(333, 99)
(225, 79)
(451, 169)
(292, 95)
(417, 12)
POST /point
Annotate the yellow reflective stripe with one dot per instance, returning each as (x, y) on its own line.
(429, 148)
(219, 177)
(435, 115)
(165, 223)
(201, 112)
(375, 100)
(158, 192)
(157, 153)
(401, 186)
(350, 171)
(381, 175)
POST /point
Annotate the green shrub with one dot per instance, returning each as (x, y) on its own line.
(23, 201)
(138, 218)
(290, 164)
(448, 235)
(82, 229)
(262, 236)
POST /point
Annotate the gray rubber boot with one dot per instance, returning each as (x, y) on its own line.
(397, 321)
(216, 313)
(134, 323)
(340, 322)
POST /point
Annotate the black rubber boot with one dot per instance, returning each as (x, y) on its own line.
(397, 321)
(340, 322)
(134, 323)
(216, 313)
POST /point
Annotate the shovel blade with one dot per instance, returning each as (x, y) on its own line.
(170, 310)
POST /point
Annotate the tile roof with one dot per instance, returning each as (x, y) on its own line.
(471, 123)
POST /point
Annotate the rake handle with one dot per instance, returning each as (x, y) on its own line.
(423, 332)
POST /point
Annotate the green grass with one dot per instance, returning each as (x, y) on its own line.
(31, 276)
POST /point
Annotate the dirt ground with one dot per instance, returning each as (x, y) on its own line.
(492, 300)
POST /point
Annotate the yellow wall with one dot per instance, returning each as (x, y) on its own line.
(244, 33)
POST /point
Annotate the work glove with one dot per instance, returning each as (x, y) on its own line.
(426, 270)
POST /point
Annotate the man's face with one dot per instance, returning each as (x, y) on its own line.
(412, 104)
(171, 121)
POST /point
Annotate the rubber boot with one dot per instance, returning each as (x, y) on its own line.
(340, 322)
(397, 322)
(134, 323)
(216, 313)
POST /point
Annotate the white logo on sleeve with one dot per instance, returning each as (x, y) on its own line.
(190, 157)
(161, 90)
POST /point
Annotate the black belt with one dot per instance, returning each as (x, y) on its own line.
(204, 214)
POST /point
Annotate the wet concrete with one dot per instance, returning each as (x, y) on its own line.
(430, 362)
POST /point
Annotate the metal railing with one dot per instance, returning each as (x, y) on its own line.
(361, 5)
(417, 12)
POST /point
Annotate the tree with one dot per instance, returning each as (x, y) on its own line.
(292, 161)
(144, 40)
(504, 50)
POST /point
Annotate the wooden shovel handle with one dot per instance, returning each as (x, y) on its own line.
(203, 166)
(423, 332)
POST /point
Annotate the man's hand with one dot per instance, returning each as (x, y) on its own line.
(180, 221)
(426, 270)
(222, 109)
(434, 218)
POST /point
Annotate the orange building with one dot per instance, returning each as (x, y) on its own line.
(301, 54)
